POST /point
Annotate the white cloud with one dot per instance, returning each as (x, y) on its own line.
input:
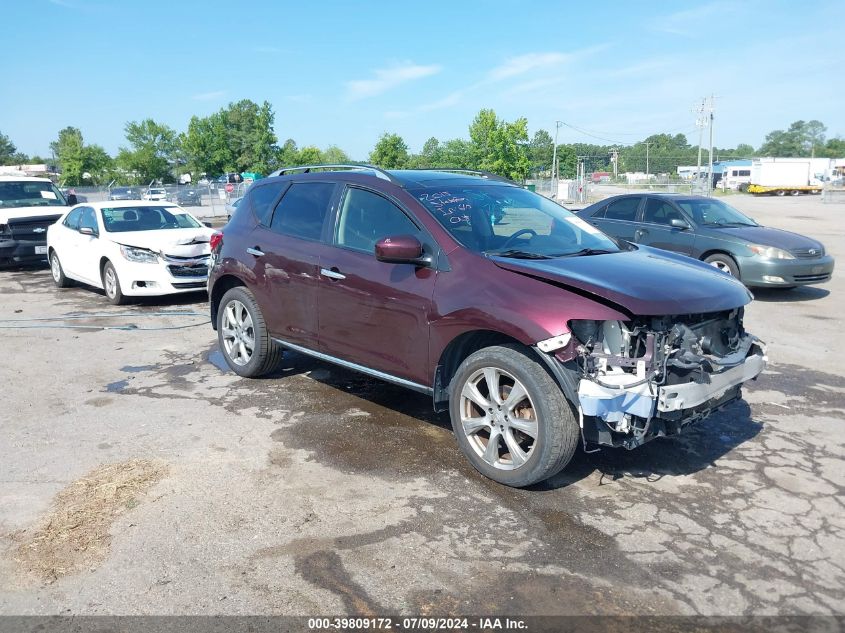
(527, 63)
(388, 78)
(209, 96)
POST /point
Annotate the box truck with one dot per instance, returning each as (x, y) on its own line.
(782, 176)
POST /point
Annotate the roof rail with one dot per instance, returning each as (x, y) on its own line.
(475, 172)
(378, 172)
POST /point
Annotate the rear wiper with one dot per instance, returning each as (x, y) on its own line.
(587, 251)
(518, 254)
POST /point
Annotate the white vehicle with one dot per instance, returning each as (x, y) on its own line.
(130, 249)
(232, 206)
(155, 193)
(781, 176)
(735, 176)
(27, 207)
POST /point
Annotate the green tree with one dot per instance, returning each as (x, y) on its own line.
(542, 151)
(69, 152)
(7, 150)
(333, 155)
(309, 155)
(801, 139)
(500, 147)
(152, 149)
(455, 153)
(288, 154)
(835, 147)
(390, 152)
(98, 163)
(205, 147)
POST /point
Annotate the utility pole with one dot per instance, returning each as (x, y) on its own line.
(710, 166)
(558, 124)
(614, 158)
(700, 122)
(646, 159)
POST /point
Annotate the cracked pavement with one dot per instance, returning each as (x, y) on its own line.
(319, 491)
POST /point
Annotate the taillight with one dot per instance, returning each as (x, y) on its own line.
(216, 240)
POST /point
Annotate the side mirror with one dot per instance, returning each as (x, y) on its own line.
(400, 249)
(87, 230)
(208, 224)
(677, 223)
(71, 199)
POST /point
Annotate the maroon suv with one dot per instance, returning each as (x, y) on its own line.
(536, 330)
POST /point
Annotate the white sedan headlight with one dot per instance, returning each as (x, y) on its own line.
(140, 255)
(770, 252)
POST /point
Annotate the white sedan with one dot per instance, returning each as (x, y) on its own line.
(130, 248)
(155, 193)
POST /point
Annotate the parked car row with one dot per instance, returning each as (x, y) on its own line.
(535, 328)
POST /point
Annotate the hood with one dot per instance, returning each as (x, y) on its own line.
(175, 242)
(769, 237)
(12, 213)
(645, 281)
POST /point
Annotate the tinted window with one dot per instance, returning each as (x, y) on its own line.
(660, 212)
(622, 209)
(262, 199)
(302, 210)
(72, 219)
(599, 213)
(366, 217)
(744, 172)
(88, 220)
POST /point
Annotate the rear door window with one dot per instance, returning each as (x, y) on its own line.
(302, 210)
(623, 209)
(262, 200)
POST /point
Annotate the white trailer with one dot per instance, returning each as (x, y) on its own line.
(781, 176)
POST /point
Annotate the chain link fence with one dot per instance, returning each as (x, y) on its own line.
(206, 200)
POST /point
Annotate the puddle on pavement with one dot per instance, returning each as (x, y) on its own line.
(137, 369)
(117, 386)
(216, 358)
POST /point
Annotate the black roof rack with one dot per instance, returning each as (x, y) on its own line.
(475, 172)
(378, 172)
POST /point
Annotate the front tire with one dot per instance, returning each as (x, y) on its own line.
(111, 284)
(725, 263)
(510, 418)
(58, 272)
(243, 336)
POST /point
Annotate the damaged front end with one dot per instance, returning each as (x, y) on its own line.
(651, 376)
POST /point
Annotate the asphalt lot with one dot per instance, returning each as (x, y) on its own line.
(137, 476)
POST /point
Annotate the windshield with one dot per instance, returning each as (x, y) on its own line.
(25, 193)
(125, 219)
(512, 222)
(714, 213)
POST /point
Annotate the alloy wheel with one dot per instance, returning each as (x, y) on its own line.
(498, 418)
(721, 266)
(238, 332)
(111, 282)
(55, 268)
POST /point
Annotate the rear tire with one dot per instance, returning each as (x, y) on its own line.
(111, 284)
(794, 192)
(780, 192)
(58, 272)
(725, 263)
(243, 336)
(524, 412)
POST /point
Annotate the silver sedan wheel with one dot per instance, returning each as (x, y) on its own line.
(238, 333)
(111, 282)
(721, 266)
(498, 418)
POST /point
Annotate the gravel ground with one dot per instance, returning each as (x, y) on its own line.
(318, 491)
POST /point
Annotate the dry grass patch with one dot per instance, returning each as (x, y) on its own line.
(76, 533)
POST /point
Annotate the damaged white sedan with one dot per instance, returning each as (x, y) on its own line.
(130, 248)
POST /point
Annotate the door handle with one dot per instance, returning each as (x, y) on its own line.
(255, 251)
(334, 273)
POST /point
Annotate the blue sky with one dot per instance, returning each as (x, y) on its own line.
(345, 72)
